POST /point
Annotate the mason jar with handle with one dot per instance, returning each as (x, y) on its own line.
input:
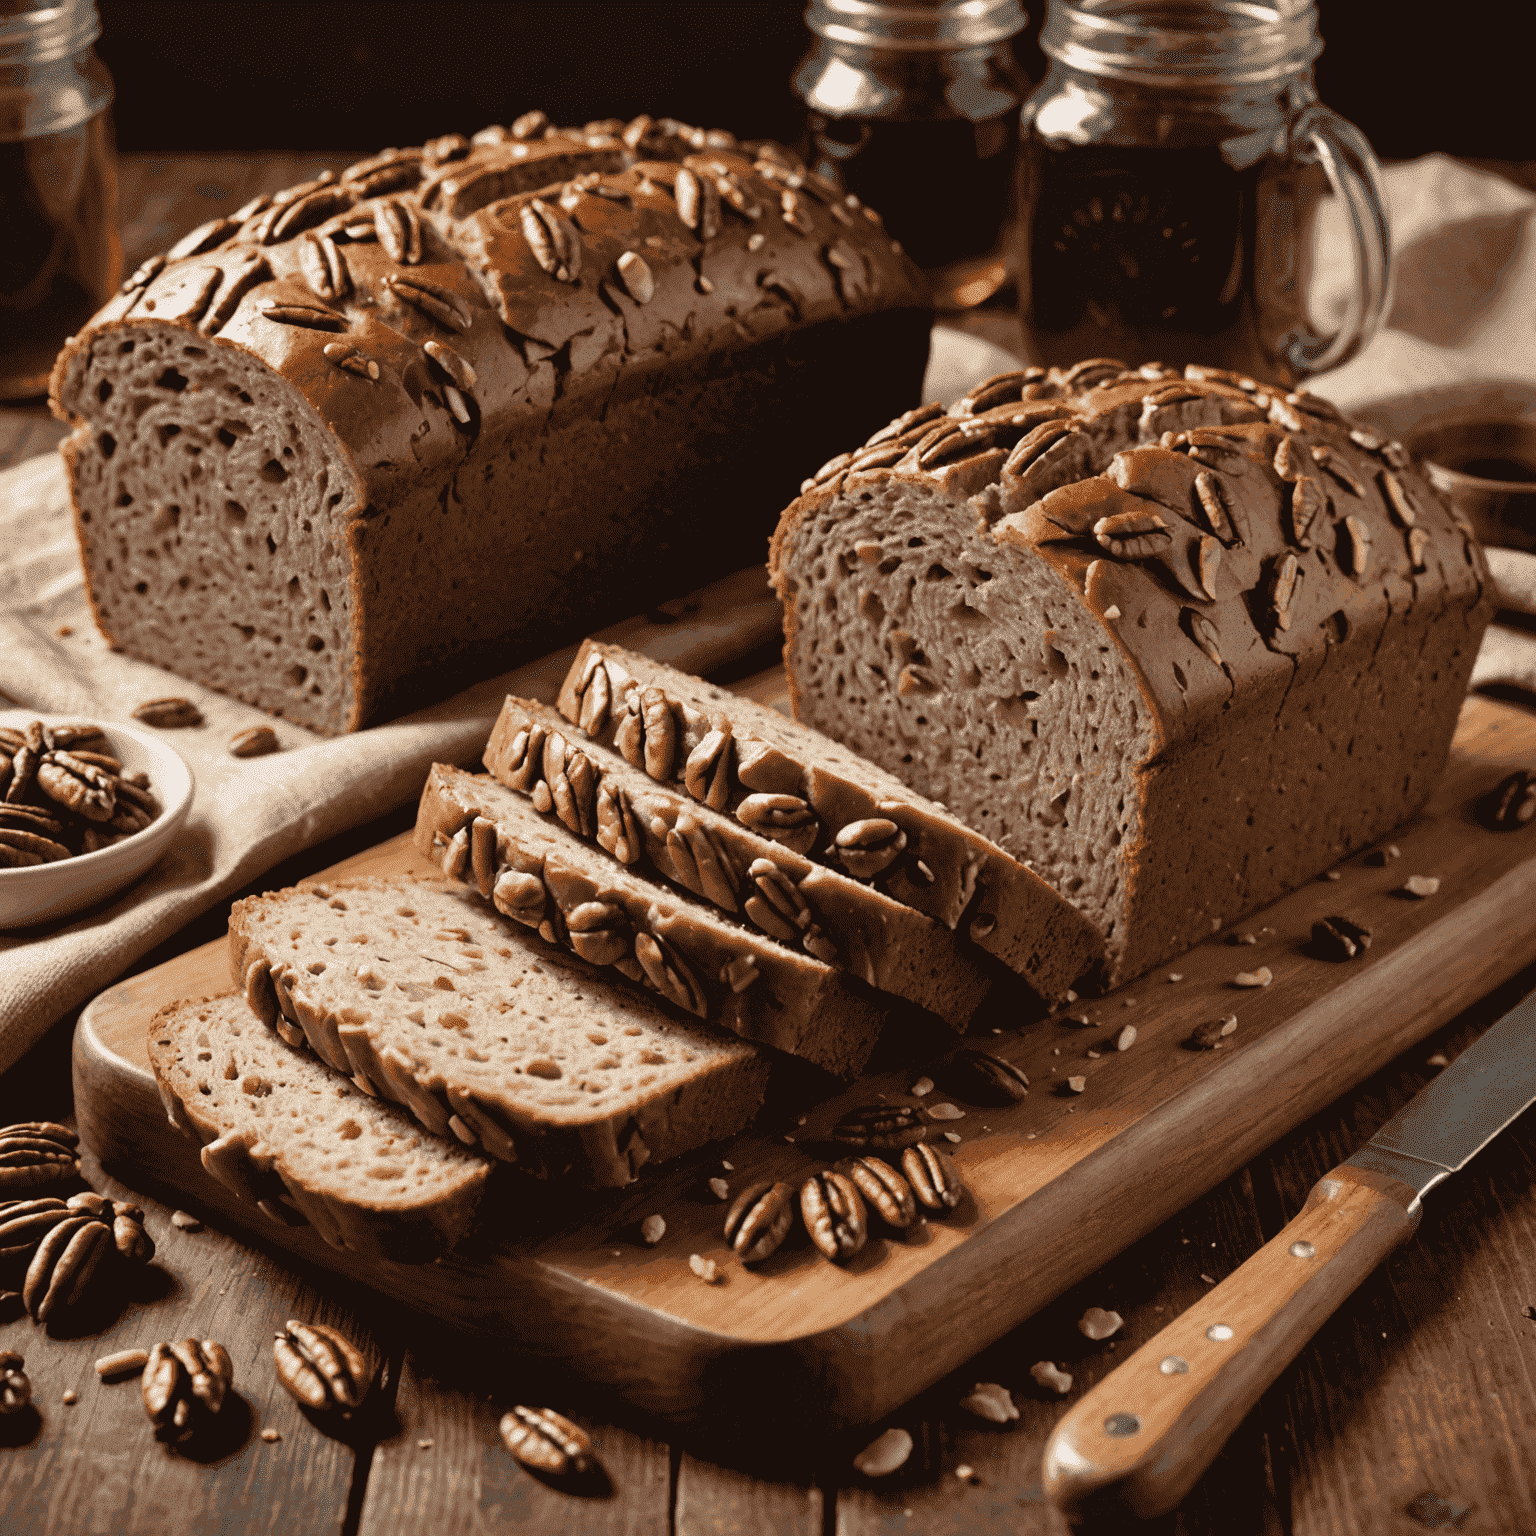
(60, 259)
(1173, 163)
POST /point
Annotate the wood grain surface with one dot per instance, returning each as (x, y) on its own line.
(1155, 1127)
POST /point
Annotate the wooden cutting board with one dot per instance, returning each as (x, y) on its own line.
(1057, 1184)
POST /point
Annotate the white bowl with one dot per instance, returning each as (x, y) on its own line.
(42, 892)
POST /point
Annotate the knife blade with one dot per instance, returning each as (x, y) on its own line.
(1139, 1440)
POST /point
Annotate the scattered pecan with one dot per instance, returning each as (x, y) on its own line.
(759, 1219)
(833, 1212)
(883, 1189)
(37, 1155)
(15, 1387)
(255, 741)
(933, 1176)
(546, 1441)
(982, 1078)
(882, 1127)
(320, 1366)
(169, 714)
(1339, 938)
(185, 1385)
(1208, 1036)
(1512, 805)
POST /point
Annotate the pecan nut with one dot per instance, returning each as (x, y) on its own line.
(666, 970)
(599, 931)
(520, 896)
(884, 1190)
(699, 863)
(869, 846)
(833, 1212)
(320, 1366)
(79, 786)
(1513, 804)
(786, 819)
(883, 1127)
(170, 714)
(1133, 535)
(63, 1264)
(256, 741)
(15, 1387)
(552, 239)
(37, 1155)
(983, 1078)
(185, 1385)
(546, 1441)
(707, 773)
(594, 694)
(759, 1220)
(617, 830)
(1339, 938)
(933, 1176)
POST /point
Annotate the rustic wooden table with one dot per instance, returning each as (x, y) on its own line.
(1413, 1409)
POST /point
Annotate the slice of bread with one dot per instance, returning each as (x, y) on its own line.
(423, 994)
(743, 758)
(288, 1134)
(574, 894)
(657, 829)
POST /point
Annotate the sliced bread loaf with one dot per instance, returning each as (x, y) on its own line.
(574, 894)
(659, 829)
(798, 787)
(1182, 641)
(286, 1133)
(422, 994)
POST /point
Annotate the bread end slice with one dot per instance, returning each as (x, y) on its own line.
(287, 1134)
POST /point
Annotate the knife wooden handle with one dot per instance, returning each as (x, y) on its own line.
(1139, 1440)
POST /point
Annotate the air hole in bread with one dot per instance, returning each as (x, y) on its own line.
(295, 675)
(167, 432)
(108, 445)
(104, 391)
(273, 472)
(173, 381)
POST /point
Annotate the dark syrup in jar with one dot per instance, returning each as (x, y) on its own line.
(59, 258)
(942, 186)
(1159, 253)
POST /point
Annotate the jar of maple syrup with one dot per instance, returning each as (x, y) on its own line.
(59, 254)
(1172, 166)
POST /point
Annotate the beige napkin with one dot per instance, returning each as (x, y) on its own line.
(247, 815)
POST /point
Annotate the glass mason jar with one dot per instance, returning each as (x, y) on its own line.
(60, 259)
(1171, 169)
(915, 108)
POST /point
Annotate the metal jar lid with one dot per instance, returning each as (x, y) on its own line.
(919, 26)
(35, 32)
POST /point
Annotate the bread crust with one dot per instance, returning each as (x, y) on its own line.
(487, 402)
(1283, 596)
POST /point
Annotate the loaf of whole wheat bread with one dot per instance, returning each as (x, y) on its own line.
(1179, 641)
(801, 788)
(285, 1132)
(660, 830)
(572, 894)
(461, 401)
(421, 993)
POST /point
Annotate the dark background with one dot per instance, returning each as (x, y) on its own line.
(357, 74)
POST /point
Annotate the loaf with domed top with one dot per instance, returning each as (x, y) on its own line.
(1178, 641)
(461, 401)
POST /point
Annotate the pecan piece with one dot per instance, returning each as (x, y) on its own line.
(778, 907)
(255, 741)
(698, 203)
(982, 1078)
(666, 970)
(599, 931)
(759, 1219)
(833, 1212)
(82, 787)
(22, 849)
(786, 819)
(185, 1385)
(520, 896)
(866, 847)
(440, 304)
(1208, 1036)
(699, 863)
(883, 1189)
(546, 1441)
(15, 1388)
(170, 714)
(884, 1127)
(320, 1366)
(707, 773)
(37, 1155)
(594, 696)
(1133, 535)
(399, 230)
(64, 1263)
(933, 1177)
(1308, 504)
(617, 830)
(636, 276)
(1339, 938)
(1513, 804)
(323, 266)
(553, 240)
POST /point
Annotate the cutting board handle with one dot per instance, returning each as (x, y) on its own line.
(1139, 1440)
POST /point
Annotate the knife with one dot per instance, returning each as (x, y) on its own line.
(1139, 1440)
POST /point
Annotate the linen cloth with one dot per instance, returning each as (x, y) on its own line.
(1459, 338)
